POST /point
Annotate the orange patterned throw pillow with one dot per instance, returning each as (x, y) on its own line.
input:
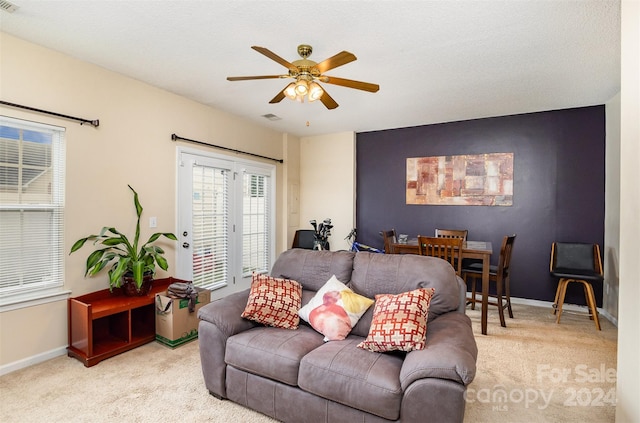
(399, 321)
(274, 302)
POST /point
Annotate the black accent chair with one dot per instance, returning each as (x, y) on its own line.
(576, 262)
(305, 238)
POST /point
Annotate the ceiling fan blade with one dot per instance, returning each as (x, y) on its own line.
(328, 101)
(271, 55)
(278, 98)
(358, 85)
(333, 62)
(245, 78)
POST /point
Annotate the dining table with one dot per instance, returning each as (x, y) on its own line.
(470, 249)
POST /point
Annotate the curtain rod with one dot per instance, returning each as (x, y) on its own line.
(175, 137)
(94, 123)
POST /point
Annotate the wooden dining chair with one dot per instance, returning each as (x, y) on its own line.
(500, 275)
(449, 249)
(576, 262)
(390, 238)
(452, 233)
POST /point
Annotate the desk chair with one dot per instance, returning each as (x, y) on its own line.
(576, 262)
(304, 239)
(449, 249)
(390, 237)
(500, 275)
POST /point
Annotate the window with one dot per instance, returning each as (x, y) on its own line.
(31, 209)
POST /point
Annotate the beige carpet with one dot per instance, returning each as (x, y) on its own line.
(547, 372)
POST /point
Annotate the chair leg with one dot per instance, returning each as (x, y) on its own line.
(508, 296)
(500, 305)
(562, 286)
(554, 308)
(591, 302)
(471, 299)
(587, 297)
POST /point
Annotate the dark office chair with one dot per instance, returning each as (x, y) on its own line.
(449, 249)
(389, 238)
(576, 262)
(304, 238)
(500, 275)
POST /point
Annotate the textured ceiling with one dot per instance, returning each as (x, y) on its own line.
(435, 61)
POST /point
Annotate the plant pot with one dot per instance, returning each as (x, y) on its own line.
(130, 289)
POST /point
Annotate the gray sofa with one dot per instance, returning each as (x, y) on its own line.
(293, 376)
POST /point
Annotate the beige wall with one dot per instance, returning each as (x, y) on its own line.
(132, 145)
(611, 251)
(628, 385)
(291, 198)
(327, 173)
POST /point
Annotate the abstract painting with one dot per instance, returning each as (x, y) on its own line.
(465, 180)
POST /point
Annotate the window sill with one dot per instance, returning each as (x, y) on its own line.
(16, 302)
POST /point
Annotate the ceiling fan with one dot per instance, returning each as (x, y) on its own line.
(307, 74)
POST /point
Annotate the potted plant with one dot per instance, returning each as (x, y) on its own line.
(134, 265)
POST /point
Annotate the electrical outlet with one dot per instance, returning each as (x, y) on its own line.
(153, 222)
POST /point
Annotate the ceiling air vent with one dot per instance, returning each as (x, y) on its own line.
(269, 116)
(8, 7)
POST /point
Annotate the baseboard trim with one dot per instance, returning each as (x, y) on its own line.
(565, 306)
(30, 361)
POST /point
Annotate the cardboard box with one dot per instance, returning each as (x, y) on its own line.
(175, 325)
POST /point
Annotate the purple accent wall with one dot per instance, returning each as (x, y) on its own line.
(559, 159)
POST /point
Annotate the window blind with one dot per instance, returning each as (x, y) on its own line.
(255, 223)
(32, 168)
(210, 232)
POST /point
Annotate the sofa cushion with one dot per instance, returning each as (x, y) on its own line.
(399, 322)
(274, 302)
(271, 352)
(341, 372)
(375, 274)
(313, 268)
(334, 310)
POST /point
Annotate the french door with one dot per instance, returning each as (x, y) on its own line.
(226, 220)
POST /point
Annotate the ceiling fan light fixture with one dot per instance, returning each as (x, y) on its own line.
(290, 91)
(315, 91)
(302, 87)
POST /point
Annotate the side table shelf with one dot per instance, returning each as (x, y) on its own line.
(103, 324)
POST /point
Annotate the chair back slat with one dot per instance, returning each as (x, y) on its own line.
(449, 249)
(452, 233)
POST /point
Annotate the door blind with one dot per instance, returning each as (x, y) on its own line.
(255, 223)
(210, 232)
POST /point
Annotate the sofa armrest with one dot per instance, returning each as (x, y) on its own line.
(226, 313)
(462, 306)
(450, 352)
(219, 320)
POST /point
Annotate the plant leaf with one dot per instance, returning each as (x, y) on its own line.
(93, 259)
(120, 268)
(162, 262)
(113, 241)
(78, 244)
(138, 271)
